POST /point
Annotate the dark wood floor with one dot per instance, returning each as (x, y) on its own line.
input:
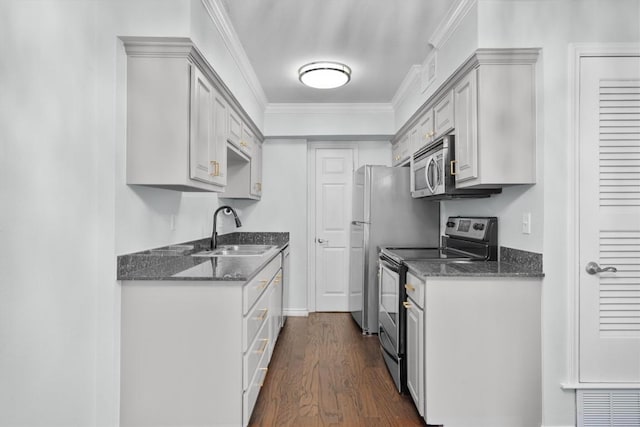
(325, 372)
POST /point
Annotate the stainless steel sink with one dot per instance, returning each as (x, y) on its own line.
(237, 250)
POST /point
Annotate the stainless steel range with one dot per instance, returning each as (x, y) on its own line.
(465, 239)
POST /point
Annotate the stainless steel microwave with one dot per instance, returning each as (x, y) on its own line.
(433, 173)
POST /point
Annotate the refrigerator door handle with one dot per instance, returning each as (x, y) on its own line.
(359, 222)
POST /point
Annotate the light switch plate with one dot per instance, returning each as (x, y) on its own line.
(526, 223)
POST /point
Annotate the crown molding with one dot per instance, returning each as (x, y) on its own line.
(328, 108)
(445, 29)
(450, 23)
(221, 21)
(401, 93)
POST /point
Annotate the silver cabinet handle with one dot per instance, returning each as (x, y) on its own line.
(594, 268)
(322, 241)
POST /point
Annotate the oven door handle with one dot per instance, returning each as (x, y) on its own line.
(389, 266)
(382, 333)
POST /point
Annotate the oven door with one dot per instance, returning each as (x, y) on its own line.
(391, 318)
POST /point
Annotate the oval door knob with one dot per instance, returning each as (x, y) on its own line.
(594, 268)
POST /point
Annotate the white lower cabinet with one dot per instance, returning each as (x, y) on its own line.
(474, 350)
(415, 352)
(197, 352)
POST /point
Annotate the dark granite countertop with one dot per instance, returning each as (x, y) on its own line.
(512, 263)
(176, 262)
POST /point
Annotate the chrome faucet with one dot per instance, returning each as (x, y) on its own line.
(214, 234)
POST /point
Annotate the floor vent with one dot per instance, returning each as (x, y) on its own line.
(608, 408)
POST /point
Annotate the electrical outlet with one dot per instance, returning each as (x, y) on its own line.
(526, 223)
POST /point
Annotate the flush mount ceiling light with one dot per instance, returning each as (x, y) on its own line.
(324, 75)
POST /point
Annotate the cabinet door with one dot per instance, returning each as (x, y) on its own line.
(256, 169)
(415, 354)
(443, 115)
(466, 116)
(400, 150)
(235, 128)
(202, 131)
(218, 147)
(395, 153)
(414, 140)
(247, 141)
(426, 128)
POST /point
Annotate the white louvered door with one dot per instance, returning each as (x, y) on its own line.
(610, 219)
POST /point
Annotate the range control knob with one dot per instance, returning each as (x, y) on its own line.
(451, 224)
(478, 226)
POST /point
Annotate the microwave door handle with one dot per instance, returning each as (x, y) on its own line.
(428, 175)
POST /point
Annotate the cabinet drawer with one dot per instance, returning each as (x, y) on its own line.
(250, 396)
(255, 287)
(250, 360)
(415, 289)
(257, 317)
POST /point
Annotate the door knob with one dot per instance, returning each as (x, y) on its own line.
(322, 241)
(594, 268)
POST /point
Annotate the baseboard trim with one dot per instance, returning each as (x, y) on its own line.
(296, 312)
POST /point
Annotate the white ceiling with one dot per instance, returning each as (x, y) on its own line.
(379, 39)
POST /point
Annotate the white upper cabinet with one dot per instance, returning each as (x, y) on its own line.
(180, 116)
(443, 117)
(495, 120)
(235, 129)
(240, 134)
(202, 128)
(256, 169)
(489, 104)
(426, 133)
(400, 151)
(220, 120)
(466, 112)
(247, 141)
(207, 142)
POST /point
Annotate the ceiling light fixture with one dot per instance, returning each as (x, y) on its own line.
(324, 75)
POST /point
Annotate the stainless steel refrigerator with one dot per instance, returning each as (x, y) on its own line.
(384, 214)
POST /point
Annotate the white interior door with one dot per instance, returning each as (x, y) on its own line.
(333, 186)
(609, 126)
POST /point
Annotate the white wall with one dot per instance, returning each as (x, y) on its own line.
(66, 211)
(299, 120)
(283, 207)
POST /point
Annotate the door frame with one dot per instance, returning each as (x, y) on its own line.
(311, 209)
(577, 51)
